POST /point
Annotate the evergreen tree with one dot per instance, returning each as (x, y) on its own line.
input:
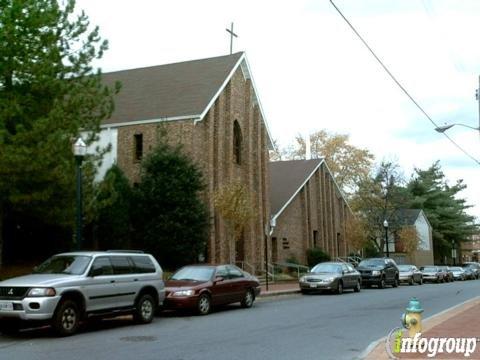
(48, 93)
(445, 210)
(170, 218)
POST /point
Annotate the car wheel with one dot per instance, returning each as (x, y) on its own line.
(248, 299)
(204, 304)
(438, 280)
(358, 287)
(66, 319)
(410, 281)
(340, 288)
(395, 283)
(145, 309)
(381, 284)
(421, 281)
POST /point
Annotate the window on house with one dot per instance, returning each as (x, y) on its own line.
(315, 238)
(285, 244)
(138, 140)
(237, 143)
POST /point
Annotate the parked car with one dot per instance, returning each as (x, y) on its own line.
(447, 273)
(475, 267)
(331, 276)
(73, 286)
(432, 273)
(200, 287)
(469, 273)
(458, 273)
(379, 271)
(410, 274)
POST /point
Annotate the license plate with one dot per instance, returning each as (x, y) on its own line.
(6, 306)
(313, 285)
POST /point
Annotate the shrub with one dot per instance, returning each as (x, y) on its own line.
(315, 256)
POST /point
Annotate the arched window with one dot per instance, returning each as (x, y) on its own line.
(237, 143)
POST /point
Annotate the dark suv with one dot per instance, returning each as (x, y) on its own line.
(379, 271)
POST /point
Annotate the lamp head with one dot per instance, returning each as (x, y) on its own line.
(79, 147)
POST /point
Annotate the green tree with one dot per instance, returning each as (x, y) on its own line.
(445, 209)
(170, 218)
(109, 211)
(48, 93)
(379, 197)
(349, 164)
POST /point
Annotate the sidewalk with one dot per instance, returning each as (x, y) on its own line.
(462, 321)
(282, 288)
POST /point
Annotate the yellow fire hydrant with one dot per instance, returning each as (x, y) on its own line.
(412, 318)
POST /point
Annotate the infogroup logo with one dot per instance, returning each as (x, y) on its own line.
(398, 344)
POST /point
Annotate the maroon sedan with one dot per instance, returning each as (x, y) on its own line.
(202, 286)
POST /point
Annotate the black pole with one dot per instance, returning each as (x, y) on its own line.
(266, 261)
(79, 211)
(386, 240)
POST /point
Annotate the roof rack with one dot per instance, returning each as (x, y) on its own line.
(126, 251)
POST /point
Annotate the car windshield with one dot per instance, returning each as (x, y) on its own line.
(327, 268)
(404, 268)
(64, 264)
(194, 273)
(372, 262)
(429, 268)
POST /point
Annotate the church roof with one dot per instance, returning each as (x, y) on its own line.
(287, 178)
(179, 91)
(176, 90)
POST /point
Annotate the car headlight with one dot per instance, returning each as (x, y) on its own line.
(329, 279)
(41, 292)
(303, 279)
(184, 293)
(376, 272)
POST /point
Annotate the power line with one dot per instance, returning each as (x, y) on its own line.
(400, 85)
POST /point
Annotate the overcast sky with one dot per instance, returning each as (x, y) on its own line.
(313, 73)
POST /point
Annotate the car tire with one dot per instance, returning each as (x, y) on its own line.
(204, 304)
(339, 288)
(66, 318)
(145, 309)
(421, 281)
(410, 281)
(248, 299)
(381, 284)
(358, 287)
(395, 282)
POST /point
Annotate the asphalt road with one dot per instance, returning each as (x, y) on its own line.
(287, 327)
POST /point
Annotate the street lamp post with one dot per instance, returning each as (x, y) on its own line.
(79, 151)
(454, 252)
(442, 129)
(268, 233)
(385, 225)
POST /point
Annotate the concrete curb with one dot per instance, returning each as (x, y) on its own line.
(375, 343)
(278, 292)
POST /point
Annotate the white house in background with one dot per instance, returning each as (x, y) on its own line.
(424, 253)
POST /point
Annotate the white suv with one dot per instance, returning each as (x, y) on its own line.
(73, 286)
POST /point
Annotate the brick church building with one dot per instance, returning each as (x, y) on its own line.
(211, 107)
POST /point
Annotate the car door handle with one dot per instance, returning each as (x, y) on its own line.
(135, 279)
(112, 281)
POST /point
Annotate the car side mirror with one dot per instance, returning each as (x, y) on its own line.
(218, 279)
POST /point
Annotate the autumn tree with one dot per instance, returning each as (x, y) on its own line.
(408, 238)
(48, 92)
(234, 203)
(356, 233)
(348, 164)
